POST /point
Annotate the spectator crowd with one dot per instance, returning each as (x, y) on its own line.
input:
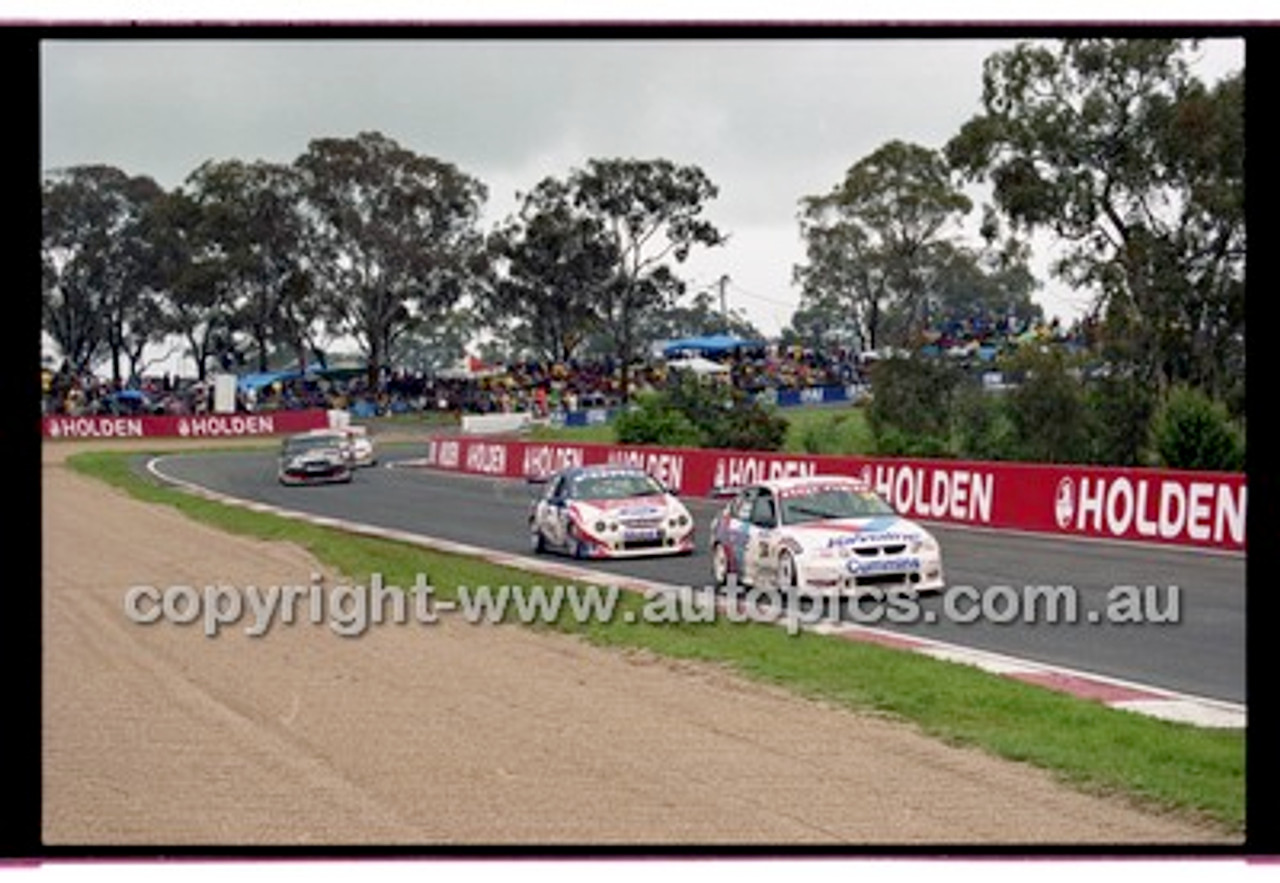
(539, 387)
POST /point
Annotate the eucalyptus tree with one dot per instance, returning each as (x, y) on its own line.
(699, 316)
(821, 321)
(875, 242)
(1137, 167)
(200, 302)
(432, 346)
(252, 236)
(994, 282)
(94, 260)
(650, 213)
(551, 265)
(391, 238)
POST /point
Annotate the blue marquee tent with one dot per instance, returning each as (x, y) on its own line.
(257, 381)
(709, 345)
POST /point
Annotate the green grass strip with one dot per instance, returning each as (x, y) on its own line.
(810, 430)
(1195, 772)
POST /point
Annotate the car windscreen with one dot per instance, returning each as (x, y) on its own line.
(615, 486)
(823, 503)
(310, 443)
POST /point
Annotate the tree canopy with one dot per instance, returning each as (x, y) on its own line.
(650, 212)
(1138, 169)
(1112, 147)
(391, 236)
(878, 239)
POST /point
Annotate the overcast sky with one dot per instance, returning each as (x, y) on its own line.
(768, 120)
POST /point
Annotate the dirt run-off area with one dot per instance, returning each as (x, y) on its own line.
(458, 734)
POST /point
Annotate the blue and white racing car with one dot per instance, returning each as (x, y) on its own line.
(822, 534)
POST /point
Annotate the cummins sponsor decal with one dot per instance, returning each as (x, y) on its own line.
(667, 468)
(882, 565)
(1166, 509)
(955, 494)
(739, 471)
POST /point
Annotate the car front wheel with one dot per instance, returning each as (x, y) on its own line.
(720, 564)
(787, 576)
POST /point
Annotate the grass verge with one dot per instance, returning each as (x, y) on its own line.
(599, 432)
(1163, 766)
(809, 431)
(842, 430)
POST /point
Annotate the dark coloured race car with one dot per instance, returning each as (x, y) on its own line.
(314, 458)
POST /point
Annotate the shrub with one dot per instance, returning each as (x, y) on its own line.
(1047, 410)
(830, 432)
(1194, 432)
(982, 428)
(911, 406)
(702, 413)
(748, 426)
(895, 442)
(1120, 410)
(653, 421)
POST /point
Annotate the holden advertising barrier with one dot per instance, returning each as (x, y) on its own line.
(193, 426)
(1175, 507)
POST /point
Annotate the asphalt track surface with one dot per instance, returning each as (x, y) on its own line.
(1202, 653)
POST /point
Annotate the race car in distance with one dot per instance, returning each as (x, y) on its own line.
(609, 512)
(314, 458)
(363, 453)
(822, 534)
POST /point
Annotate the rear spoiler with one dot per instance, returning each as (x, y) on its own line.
(723, 493)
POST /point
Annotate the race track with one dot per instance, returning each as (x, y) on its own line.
(1202, 653)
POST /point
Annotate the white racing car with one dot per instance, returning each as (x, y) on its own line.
(821, 534)
(609, 512)
(363, 452)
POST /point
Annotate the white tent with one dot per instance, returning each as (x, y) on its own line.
(698, 365)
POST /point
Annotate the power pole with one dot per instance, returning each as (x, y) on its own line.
(724, 310)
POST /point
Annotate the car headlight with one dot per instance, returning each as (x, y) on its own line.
(600, 527)
(928, 545)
